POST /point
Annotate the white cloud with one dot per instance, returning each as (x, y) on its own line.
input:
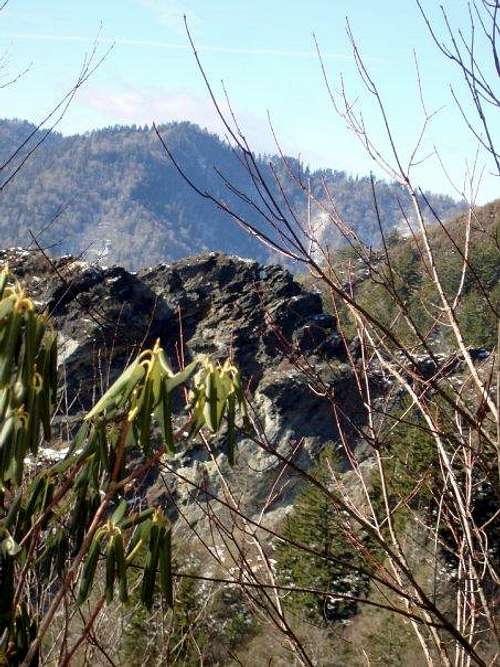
(171, 13)
(203, 48)
(128, 105)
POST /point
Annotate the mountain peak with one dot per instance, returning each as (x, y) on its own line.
(78, 193)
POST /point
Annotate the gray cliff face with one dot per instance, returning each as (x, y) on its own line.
(212, 304)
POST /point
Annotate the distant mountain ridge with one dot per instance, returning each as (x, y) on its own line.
(114, 195)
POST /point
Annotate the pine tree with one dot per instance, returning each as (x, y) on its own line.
(317, 524)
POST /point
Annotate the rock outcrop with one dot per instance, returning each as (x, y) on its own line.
(270, 325)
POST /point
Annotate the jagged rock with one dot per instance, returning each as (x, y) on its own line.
(211, 304)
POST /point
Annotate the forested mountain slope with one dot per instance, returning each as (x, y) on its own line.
(466, 254)
(114, 194)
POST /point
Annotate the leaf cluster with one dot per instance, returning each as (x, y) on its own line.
(65, 522)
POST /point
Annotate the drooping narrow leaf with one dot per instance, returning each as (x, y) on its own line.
(231, 428)
(166, 567)
(3, 280)
(135, 519)
(110, 570)
(144, 417)
(164, 417)
(119, 512)
(11, 517)
(119, 391)
(8, 346)
(211, 392)
(182, 376)
(150, 567)
(89, 568)
(121, 567)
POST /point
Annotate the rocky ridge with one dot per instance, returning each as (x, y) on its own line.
(212, 304)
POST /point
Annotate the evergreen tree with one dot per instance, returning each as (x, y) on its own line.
(316, 524)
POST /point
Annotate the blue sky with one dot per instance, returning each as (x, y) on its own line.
(264, 52)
